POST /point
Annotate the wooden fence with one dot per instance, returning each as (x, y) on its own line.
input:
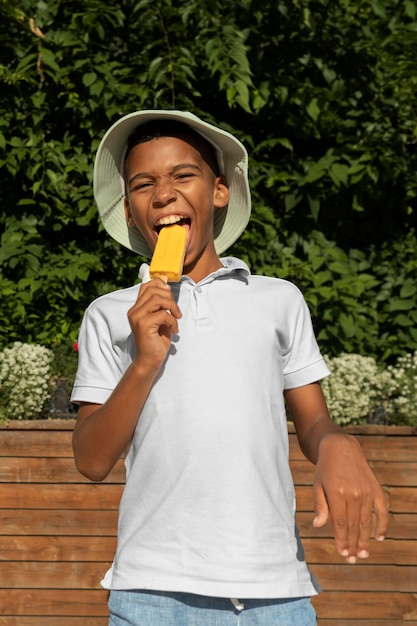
(57, 534)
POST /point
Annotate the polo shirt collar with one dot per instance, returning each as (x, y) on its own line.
(231, 265)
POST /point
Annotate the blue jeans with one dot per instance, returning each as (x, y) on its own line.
(159, 608)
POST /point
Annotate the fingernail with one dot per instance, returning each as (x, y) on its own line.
(345, 552)
(351, 560)
(363, 554)
(380, 538)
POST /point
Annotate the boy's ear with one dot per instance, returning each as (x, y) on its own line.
(221, 194)
(129, 219)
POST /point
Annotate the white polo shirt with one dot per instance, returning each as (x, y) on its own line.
(209, 503)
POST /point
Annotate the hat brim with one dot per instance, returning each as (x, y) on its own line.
(229, 223)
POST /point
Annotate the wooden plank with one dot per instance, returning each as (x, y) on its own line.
(403, 499)
(48, 424)
(51, 575)
(378, 448)
(389, 448)
(372, 430)
(389, 552)
(401, 526)
(50, 470)
(364, 577)
(69, 575)
(400, 499)
(54, 602)
(101, 548)
(57, 548)
(304, 495)
(302, 471)
(19, 620)
(39, 443)
(405, 553)
(398, 474)
(356, 605)
(35, 443)
(58, 522)
(96, 549)
(96, 496)
(84, 496)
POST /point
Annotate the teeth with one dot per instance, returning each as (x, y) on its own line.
(169, 219)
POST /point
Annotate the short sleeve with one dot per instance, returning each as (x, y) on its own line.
(102, 359)
(303, 362)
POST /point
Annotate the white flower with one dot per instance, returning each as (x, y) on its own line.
(25, 372)
(355, 387)
(404, 389)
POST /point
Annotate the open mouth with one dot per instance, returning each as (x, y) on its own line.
(169, 220)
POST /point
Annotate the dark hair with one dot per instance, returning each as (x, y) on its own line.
(171, 128)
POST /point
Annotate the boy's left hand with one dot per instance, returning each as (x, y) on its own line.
(347, 493)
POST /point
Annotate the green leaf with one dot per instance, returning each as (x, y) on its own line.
(89, 78)
(48, 58)
(408, 289)
(401, 305)
(378, 7)
(314, 204)
(348, 325)
(291, 201)
(339, 173)
(313, 109)
(338, 268)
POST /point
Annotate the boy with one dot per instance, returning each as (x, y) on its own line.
(188, 380)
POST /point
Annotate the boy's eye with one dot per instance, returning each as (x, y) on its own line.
(140, 186)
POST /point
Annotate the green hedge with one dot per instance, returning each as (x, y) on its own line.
(322, 92)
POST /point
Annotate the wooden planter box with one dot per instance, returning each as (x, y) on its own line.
(58, 533)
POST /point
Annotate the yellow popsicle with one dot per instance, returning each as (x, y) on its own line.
(168, 256)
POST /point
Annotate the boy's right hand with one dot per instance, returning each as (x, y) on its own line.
(153, 320)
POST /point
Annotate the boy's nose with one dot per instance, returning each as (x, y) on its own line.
(163, 193)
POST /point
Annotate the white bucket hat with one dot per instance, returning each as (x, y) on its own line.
(109, 192)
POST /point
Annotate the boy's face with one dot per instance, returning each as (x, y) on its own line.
(168, 181)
